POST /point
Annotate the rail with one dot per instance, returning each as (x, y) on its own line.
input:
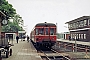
(60, 55)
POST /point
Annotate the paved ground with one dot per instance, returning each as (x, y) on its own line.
(23, 51)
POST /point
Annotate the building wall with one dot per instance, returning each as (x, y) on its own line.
(0, 32)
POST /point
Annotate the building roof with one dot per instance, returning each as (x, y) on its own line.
(78, 19)
(1, 13)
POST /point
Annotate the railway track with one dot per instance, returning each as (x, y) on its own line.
(52, 55)
(64, 51)
(79, 52)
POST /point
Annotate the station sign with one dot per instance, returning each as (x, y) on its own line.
(21, 31)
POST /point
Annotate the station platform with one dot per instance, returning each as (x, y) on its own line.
(72, 41)
(75, 54)
(23, 51)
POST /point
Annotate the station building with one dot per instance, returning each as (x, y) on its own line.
(80, 28)
(64, 35)
(10, 35)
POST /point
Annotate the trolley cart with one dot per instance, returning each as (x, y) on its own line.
(5, 47)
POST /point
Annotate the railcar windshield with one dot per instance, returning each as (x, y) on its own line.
(41, 31)
(36, 31)
(51, 31)
(46, 31)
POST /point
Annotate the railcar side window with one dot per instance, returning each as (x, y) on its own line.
(51, 31)
(36, 31)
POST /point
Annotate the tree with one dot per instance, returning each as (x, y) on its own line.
(10, 13)
(7, 9)
(18, 20)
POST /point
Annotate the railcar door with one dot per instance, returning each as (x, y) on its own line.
(46, 31)
(47, 34)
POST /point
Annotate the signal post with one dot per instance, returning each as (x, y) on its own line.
(2, 15)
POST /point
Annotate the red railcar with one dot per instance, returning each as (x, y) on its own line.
(44, 34)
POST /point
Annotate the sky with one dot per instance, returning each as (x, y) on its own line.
(52, 11)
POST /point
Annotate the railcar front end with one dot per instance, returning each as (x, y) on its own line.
(44, 35)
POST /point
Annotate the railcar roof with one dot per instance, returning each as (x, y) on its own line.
(45, 24)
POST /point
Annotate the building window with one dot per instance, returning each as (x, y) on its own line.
(81, 23)
(74, 25)
(71, 36)
(77, 24)
(84, 36)
(69, 26)
(89, 22)
(85, 23)
(81, 36)
(77, 36)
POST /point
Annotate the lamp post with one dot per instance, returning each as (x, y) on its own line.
(75, 43)
(21, 34)
(56, 29)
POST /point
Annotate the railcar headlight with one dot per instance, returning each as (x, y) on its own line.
(37, 39)
(53, 38)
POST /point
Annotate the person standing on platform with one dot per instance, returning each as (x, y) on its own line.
(27, 38)
(17, 38)
(70, 38)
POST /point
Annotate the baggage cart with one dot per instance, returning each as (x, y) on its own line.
(5, 47)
